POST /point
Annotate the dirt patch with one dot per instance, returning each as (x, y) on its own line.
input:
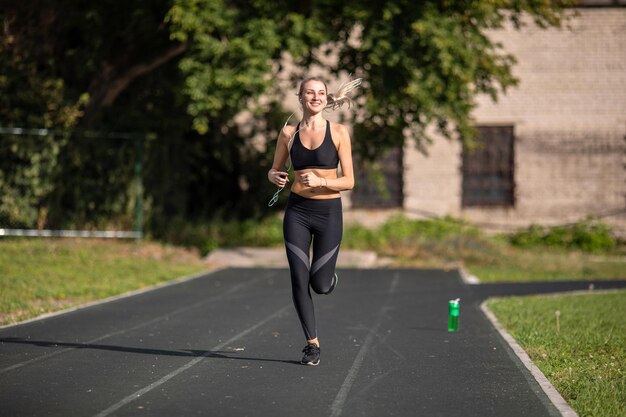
(144, 249)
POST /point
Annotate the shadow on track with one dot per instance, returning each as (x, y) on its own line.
(187, 353)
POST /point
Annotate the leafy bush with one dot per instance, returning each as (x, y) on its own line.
(224, 233)
(444, 239)
(588, 236)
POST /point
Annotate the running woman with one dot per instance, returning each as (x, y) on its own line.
(314, 213)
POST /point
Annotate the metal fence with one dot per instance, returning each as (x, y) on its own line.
(71, 184)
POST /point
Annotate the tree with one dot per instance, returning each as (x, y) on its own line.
(62, 63)
(423, 62)
(184, 69)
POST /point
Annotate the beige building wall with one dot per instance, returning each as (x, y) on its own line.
(569, 118)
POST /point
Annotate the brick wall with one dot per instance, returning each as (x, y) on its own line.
(569, 117)
(432, 180)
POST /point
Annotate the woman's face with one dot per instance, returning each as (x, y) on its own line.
(313, 96)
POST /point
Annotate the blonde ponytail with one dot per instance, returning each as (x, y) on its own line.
(338, 99)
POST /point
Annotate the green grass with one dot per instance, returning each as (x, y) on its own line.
(44, 275)
(510, 263)
(585, 359)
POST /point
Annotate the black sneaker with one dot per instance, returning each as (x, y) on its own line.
(311, 355)
(333, 285)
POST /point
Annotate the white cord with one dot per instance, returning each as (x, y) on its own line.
(274, 198)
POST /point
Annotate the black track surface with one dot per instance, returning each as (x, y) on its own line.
(229, 344)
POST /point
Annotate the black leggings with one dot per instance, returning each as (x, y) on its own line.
(321, 221)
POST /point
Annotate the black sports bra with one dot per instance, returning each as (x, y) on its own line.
(324, 156)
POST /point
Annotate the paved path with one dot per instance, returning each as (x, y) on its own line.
(228, 344)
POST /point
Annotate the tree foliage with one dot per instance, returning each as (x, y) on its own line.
(184, 69)
(61, 65)
(424, 62)
(427, 61)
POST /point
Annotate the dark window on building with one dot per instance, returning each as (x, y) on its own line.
(488, 169)
(379, 184)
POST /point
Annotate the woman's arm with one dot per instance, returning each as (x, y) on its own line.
(276, 174)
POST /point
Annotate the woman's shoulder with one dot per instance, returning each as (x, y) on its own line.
(287, 132)
(339, 129)
(291, 128)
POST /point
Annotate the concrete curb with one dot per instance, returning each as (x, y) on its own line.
(551, 392)
(468, 278)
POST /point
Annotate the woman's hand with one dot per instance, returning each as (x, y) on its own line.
(311, 180)
(280, 178)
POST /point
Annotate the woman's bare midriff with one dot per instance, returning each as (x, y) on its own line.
(315, 192)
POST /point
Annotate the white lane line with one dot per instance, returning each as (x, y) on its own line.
(140, 325)
(337, 407)
(132, 397)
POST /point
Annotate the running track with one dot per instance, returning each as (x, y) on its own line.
(228, 344)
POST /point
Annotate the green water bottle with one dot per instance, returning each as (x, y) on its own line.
(453, 315)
